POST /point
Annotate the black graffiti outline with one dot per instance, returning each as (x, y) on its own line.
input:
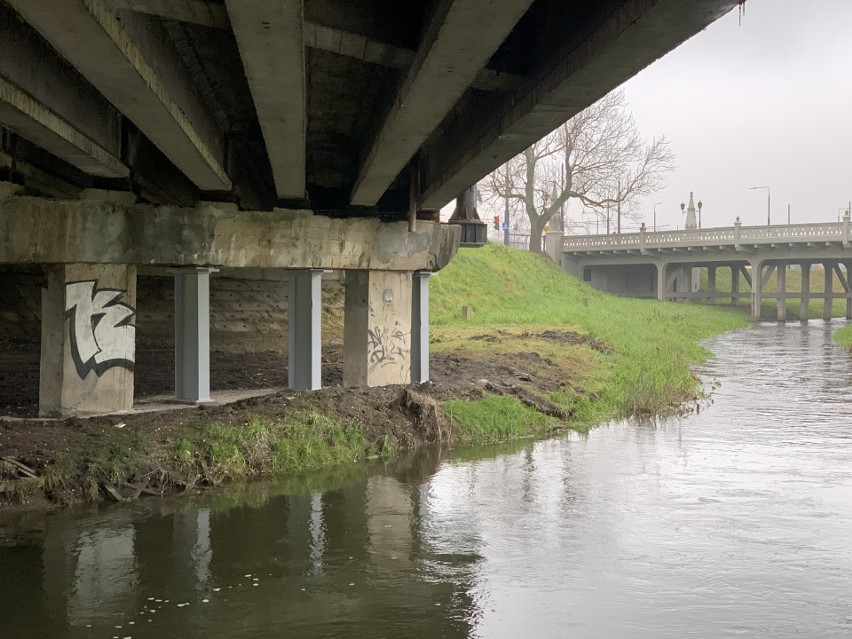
(85, 367)
(385, 346)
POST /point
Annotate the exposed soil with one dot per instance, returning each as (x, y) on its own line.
(403, 415)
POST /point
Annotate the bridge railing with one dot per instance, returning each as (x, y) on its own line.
(723, 236)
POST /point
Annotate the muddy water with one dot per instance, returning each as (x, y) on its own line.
(733, 522)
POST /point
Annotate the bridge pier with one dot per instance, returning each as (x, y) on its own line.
(735, 284)
(88, 339)
(711, 284)
(804, 306)
(781, 288)
(756, 288)
(828, 305)
(377, 328)
(661, 280)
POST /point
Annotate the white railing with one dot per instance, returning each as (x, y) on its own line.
(726, 236)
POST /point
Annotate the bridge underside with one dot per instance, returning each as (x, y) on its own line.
(325, 132)
(746, 281)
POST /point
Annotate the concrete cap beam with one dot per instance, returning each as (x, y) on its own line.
(461, 38)
(270, 40)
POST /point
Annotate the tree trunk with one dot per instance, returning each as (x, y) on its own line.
(536, 232)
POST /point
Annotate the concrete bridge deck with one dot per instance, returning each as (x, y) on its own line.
(665, 265)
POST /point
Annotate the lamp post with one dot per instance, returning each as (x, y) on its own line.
(700, 204)
(768, 201)
(655, 215)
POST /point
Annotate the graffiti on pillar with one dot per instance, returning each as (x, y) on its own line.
(386, 346)
(100, 329)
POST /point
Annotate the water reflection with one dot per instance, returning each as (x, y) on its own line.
(732, 521)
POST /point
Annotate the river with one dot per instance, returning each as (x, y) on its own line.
(735, 521)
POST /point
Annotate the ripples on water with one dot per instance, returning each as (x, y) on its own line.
(732, 522)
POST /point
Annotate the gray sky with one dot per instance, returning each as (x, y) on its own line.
(768, 102)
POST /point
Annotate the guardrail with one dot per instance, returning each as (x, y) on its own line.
(724, 236)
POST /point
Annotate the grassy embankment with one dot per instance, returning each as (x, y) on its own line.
(638, 363)
(646, 372)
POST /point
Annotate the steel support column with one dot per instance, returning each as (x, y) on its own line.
(304, 307)
(192, 334)
(420, 327)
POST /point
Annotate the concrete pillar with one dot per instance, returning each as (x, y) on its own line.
(781, 288)
(304, 306)
(377, 328)
(192, 334)
(828, 305)
(661, 281)
(756, 288)
(88, 339)
(735, 284)
(849, 292)
(420, 327)
(711, 284)
(804, 306)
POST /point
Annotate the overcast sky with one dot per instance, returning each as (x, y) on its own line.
(764, 103)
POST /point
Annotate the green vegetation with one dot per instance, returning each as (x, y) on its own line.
(495, 419)
(642, 363)
(843, 336)
(300, 442)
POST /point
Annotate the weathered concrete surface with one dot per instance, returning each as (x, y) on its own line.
(377, 328)
(462, 35)
(131, 62)
(88, 339)
(269, 35)
(36, 230)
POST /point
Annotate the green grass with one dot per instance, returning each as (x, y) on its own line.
(843, 336)
(299, 442)
(495, 419)
(653, 344)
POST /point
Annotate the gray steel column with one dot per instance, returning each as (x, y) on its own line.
(304, 307)
(420, 327)
(192, 334)
(804, 306)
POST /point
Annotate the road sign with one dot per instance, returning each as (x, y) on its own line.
(505, 226)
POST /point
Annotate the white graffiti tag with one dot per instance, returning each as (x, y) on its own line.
(99, 327)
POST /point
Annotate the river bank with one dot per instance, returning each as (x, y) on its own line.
(538, 352)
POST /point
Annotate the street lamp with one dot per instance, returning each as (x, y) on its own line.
(768, 201)
(700, 204)
(655, 215)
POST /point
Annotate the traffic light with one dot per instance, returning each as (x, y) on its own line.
(496, 222)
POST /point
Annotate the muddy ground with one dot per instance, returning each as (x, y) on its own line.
(259, 362)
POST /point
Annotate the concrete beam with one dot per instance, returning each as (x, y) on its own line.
(269, 36)
(44, 127)
(131, 62)
(38, 230)
(45, 102)
(636, 34)
(200, 12)
(460, 39)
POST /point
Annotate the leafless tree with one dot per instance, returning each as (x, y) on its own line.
(597, 159)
